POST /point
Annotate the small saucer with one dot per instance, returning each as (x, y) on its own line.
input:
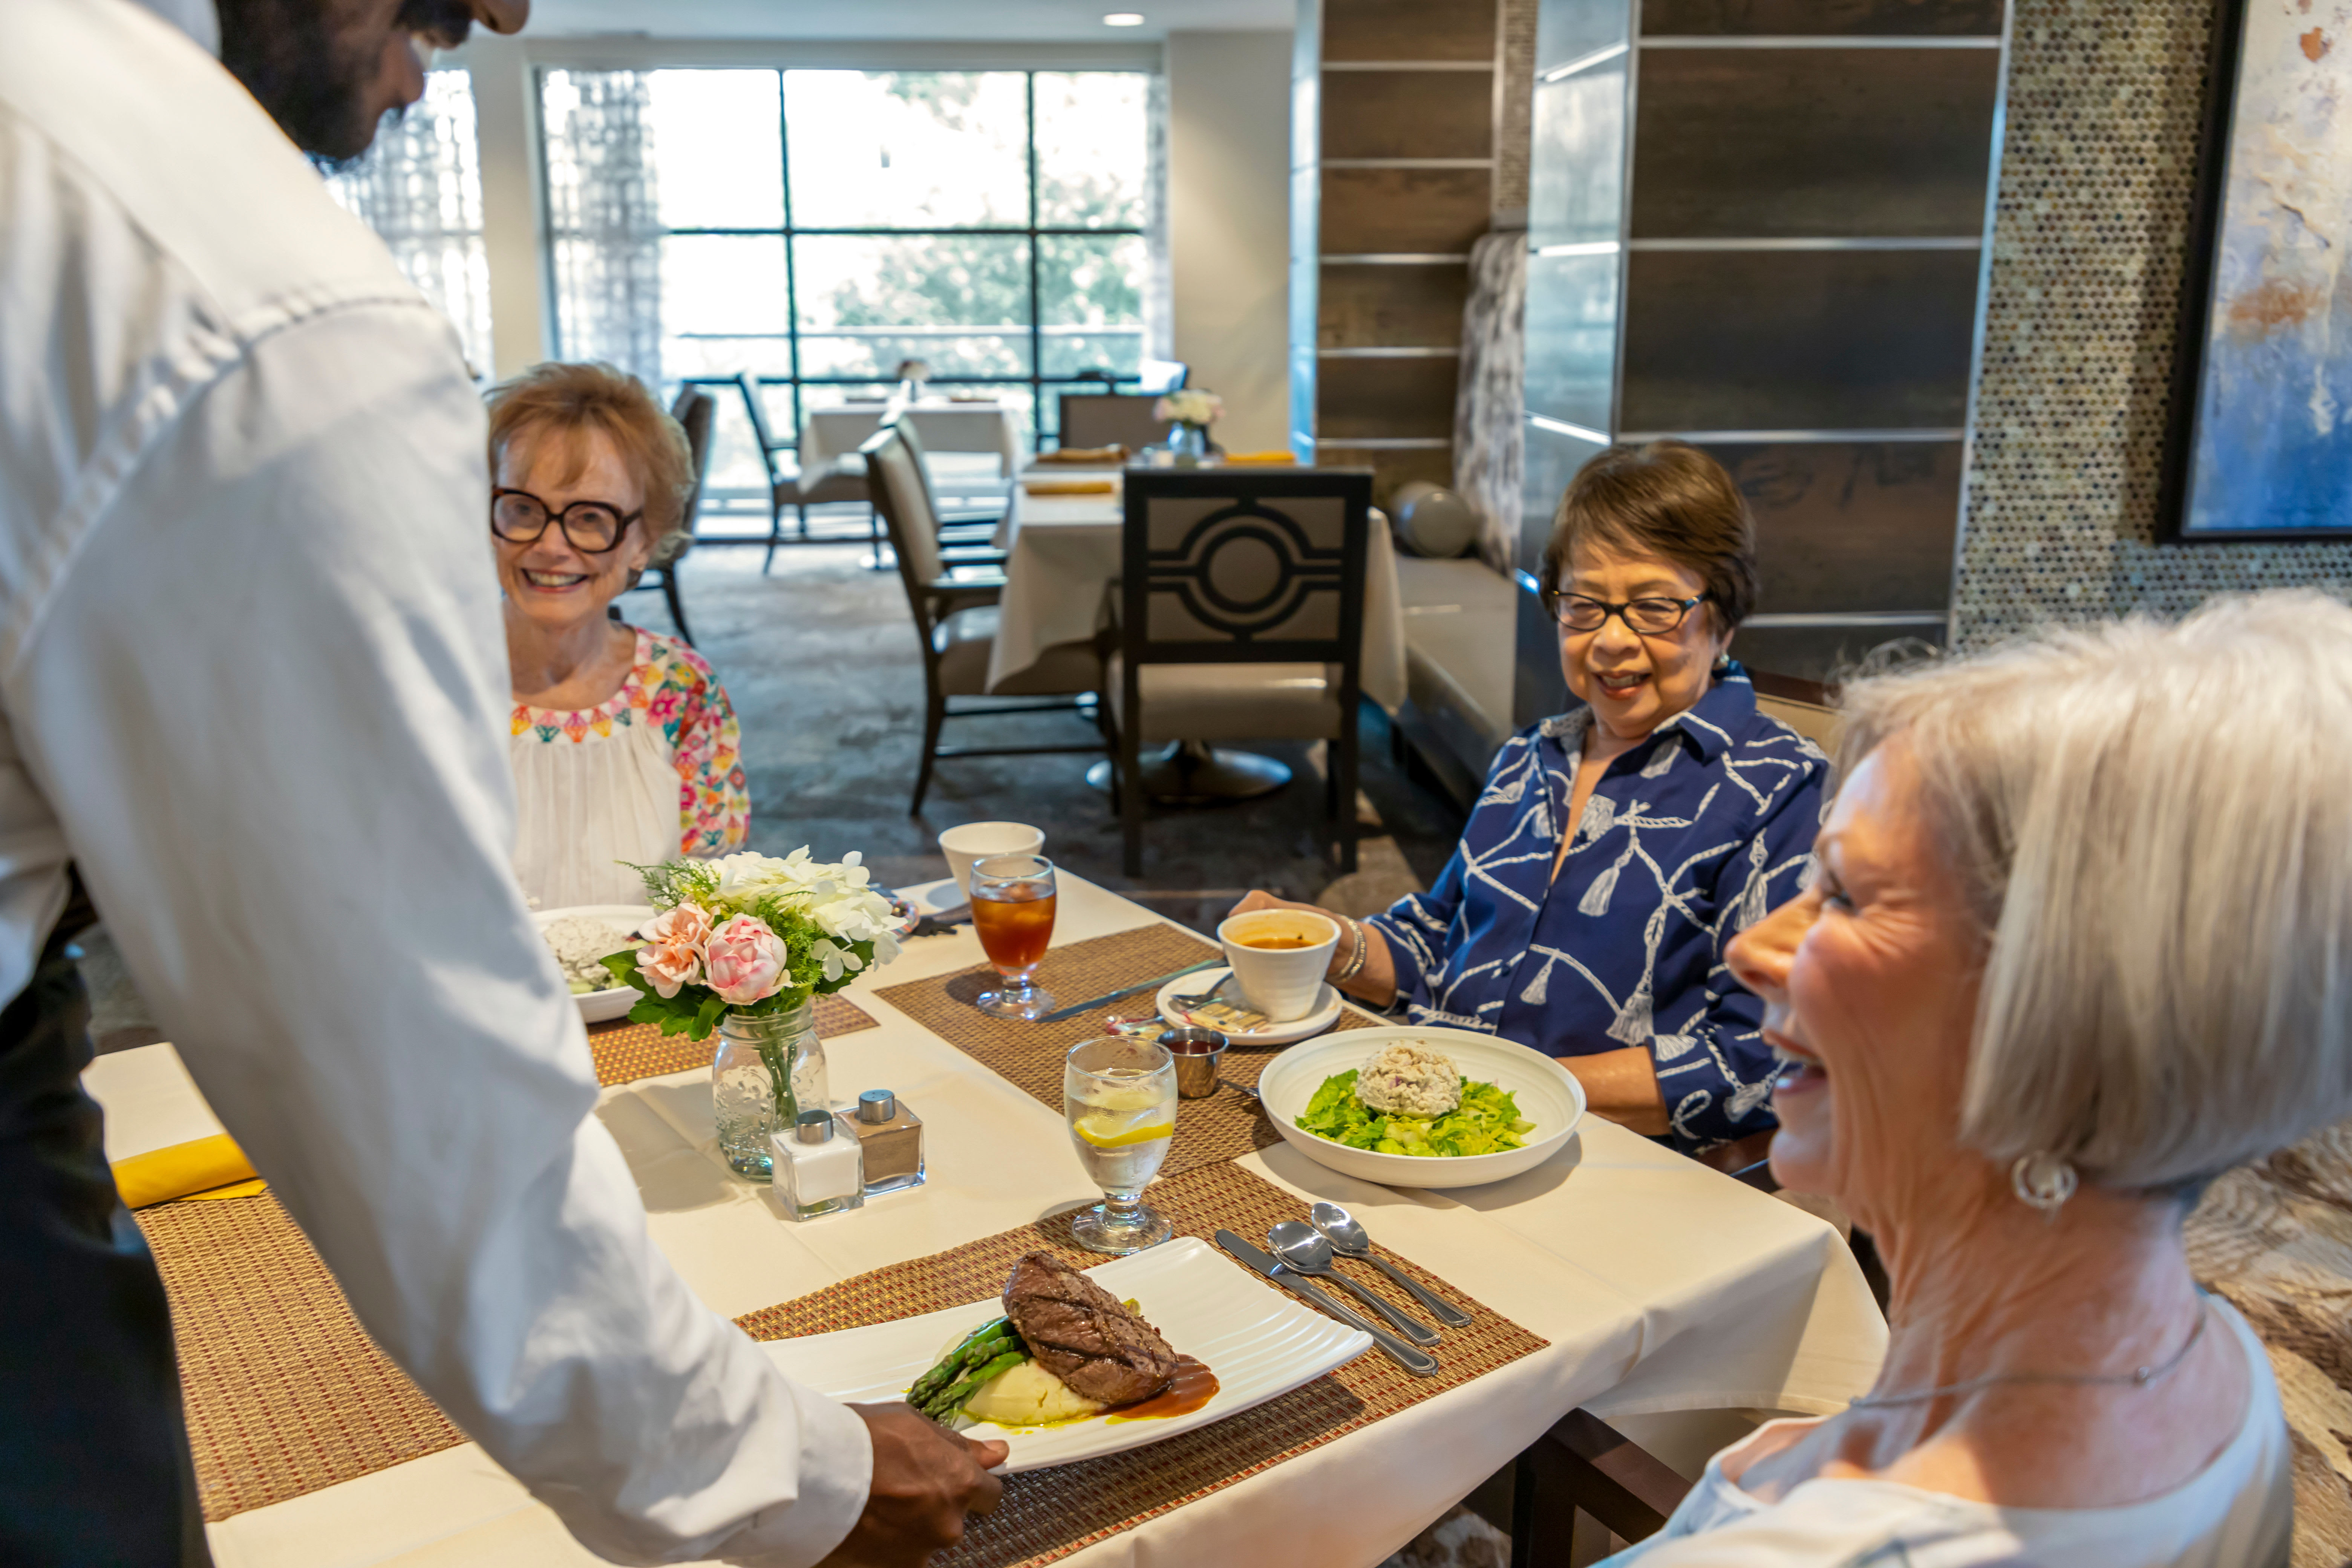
(1326, 1014)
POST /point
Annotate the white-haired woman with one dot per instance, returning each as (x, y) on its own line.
(2080, 940)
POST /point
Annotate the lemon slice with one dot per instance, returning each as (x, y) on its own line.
(1121, 1131)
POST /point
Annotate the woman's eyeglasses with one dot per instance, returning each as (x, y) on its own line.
(593, 527)
(1644, 617)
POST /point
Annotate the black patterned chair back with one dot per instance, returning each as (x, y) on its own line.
(1232, 566)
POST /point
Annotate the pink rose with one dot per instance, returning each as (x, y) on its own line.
(673, 956)
(745, 961)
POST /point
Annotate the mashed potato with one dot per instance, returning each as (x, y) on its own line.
(1028, 1395)
(1408, 1080)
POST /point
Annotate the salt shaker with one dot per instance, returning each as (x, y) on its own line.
(820, 1169)
(893, 1139)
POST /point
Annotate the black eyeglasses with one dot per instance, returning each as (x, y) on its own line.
(593, 527)
(1643, 618)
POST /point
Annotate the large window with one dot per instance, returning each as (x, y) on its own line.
(818, 227)
(420, 187)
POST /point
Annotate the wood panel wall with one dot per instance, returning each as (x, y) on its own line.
(1394, 171)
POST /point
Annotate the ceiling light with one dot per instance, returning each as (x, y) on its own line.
(1124, 19)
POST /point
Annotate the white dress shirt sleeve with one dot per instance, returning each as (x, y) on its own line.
(266, 695)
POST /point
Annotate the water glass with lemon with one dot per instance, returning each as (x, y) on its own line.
(1119, 1097)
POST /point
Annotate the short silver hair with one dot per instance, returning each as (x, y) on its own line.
(2153, 825)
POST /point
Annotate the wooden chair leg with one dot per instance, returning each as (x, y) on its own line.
(676, 610)
(935, 713)
(1131, 800)
(1343, 805)
(1583, 1464)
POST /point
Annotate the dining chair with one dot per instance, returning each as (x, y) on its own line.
(1110, 419)
(696, 411)
(962, 541)
(1241, 616)
(842, 479)
(955, 611)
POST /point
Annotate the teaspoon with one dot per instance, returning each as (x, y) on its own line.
(1348, 1240)
(1301, 1247)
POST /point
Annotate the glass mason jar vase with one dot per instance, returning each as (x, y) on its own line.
(769, 1065)
(1189, 445)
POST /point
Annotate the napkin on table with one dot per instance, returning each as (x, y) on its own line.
(211, 1167)
(1070, 487)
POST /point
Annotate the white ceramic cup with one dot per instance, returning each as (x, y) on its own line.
(1280, 981)
(979, 840)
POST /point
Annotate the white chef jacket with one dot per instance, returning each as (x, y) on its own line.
(253, 680)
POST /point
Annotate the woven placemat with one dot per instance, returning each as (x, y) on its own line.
(1029, 1056)
(285, 1392)
(1048, 1514)
(625, 1052)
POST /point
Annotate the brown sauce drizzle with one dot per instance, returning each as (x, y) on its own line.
(1192, 1386)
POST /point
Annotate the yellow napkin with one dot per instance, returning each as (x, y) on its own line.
(1069, 486)
(1086, 456)
(211, 1167)
(1280, 454)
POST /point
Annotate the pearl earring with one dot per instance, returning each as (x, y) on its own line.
(2043, 1182)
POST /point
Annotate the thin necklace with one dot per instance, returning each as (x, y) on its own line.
(2139, 1377)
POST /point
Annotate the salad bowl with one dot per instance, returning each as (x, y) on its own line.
(1546, 1093)
(614, 1001)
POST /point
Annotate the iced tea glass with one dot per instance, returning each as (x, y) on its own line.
(1013, 909)
(1119, 1096)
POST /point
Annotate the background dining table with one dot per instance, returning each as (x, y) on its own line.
(989, 428)
(1062, 550)
(1659, 1285)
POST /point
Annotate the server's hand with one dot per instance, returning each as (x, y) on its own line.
(925, 1480)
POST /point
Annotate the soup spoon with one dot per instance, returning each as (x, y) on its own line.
(1348, 1239)
(1300, 1247)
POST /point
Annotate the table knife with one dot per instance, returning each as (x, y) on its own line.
(1417, 1362)
(1153, 983)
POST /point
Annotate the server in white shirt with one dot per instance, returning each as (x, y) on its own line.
(252, 684)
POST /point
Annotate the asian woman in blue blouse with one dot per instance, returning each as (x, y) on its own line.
(1693, 814)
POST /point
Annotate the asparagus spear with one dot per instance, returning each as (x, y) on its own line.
(945, 1406)
(989, 1339)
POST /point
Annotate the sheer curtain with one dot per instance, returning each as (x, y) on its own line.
(1489, 439)
(1158, 285)
(604, 228)
(420, 187)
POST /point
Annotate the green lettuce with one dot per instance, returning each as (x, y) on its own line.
(1487, 1121)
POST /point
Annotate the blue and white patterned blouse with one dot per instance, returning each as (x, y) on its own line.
(1688, 837)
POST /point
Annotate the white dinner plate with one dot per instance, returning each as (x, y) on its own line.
(1260, 1341)
(1546, 1093)
(1326, 1011)
(598, 1006)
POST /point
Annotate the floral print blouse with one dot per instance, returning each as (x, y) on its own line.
(670, 687)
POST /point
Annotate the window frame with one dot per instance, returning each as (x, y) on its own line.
(1032, 233)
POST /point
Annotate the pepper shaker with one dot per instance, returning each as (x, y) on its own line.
(819, 1168)
(892, 1136)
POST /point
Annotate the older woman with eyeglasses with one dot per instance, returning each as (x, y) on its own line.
(624, 745)
(1618, 848)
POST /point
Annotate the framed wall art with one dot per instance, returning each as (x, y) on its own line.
(2261, 438)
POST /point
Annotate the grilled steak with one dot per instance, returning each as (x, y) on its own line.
(1083, 1334)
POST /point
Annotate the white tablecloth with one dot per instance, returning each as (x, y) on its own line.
(1062, 551)
(1661, 1286)
(989, 428)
